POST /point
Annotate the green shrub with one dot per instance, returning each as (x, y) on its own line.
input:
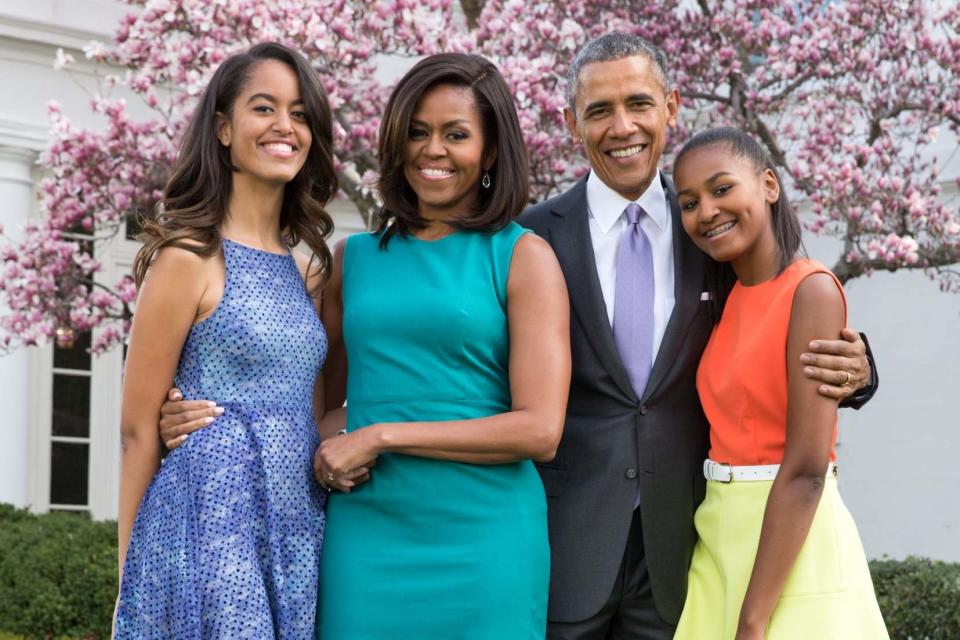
(919, 598)
(58, 577)
(58, 574)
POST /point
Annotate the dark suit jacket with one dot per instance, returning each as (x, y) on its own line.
(614, 442)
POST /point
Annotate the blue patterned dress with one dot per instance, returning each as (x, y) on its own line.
(227, 539)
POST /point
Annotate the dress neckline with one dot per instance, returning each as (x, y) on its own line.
(249, 248)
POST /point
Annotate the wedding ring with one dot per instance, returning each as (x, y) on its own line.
(847, 381)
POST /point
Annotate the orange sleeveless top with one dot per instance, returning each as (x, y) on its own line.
(742, 377)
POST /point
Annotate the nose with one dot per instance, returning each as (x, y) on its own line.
(622, 125)
(435, 146)
(708, 211)
(282, 123)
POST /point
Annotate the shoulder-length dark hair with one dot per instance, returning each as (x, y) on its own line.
(786, 226)
(508, 195)
(195, 199)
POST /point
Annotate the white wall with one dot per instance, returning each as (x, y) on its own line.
(898, 455)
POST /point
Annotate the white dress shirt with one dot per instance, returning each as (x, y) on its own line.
(607, 222)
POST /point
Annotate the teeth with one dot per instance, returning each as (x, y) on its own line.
(721, 229)
(629, 151)
(436, 173)
(280, 146)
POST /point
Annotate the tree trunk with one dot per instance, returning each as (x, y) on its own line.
(472, 9)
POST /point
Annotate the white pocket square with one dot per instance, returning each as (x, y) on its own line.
(706, 295)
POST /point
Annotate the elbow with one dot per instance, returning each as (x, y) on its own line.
(808, 485)
(138, 437)
(547, 441)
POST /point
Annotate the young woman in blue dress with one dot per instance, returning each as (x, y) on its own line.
(223, 538)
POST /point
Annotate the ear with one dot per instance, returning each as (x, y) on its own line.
(224, 132)
(771, 188)
(571, 120)
(489, 158)
(673, 107)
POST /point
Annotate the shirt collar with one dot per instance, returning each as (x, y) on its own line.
(606, 205)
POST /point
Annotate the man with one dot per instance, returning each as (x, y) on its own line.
(628, 477)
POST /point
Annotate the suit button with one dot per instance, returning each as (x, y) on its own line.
(631, 473)
(643, 410)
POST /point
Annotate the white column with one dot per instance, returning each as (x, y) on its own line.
(16, 202)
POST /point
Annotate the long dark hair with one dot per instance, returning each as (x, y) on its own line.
(786, 226)
(508, 194)
(196, 196)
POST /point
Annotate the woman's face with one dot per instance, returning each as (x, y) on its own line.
(725, 203)
(267, 130)
(445, 152)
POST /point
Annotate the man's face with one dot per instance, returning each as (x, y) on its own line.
(621, 115)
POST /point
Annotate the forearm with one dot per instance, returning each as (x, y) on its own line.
(789, 513)
(138, 464)
(332, 422)
(516, 435)
(459, 456)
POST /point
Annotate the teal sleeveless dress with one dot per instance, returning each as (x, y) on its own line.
(430, 549)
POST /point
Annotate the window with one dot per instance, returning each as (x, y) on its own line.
(70, 435)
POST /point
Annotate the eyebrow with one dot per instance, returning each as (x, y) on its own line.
(712, 178)
(445, 124)
(267, 96)
(633, 97)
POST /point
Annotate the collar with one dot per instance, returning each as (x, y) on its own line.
(606, 205)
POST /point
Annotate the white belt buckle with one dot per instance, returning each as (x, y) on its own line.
(729, 472)
(710, 469)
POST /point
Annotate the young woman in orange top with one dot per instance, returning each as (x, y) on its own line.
(779, 555)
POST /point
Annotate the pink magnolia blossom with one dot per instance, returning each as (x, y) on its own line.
(848, 97)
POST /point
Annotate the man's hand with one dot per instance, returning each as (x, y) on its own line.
(179, 418)
(841, 365)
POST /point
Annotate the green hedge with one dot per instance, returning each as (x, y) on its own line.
(58, 578)
(58, 574)
(919, 598)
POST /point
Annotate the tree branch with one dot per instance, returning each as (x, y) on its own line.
(708, 96)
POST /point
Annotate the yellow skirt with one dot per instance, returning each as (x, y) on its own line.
(829, 594)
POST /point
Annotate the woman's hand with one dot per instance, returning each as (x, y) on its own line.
(344, 461)
(749, 632)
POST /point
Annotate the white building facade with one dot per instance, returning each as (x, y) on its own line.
(59, 427)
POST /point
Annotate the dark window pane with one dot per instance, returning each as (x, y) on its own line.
(69, 464)
(71, 406)
(75, 357)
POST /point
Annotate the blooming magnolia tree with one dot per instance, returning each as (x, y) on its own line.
(848, 98)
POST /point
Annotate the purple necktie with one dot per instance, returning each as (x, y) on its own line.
(633, 301)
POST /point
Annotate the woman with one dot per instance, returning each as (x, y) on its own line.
(454, 322)
(222, 540)
(778, 554)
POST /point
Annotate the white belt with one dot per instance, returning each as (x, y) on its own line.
(723, 472)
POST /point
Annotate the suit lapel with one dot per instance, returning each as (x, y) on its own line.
(688, 266)
(570, 237)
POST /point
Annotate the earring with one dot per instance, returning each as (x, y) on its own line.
(486, 181)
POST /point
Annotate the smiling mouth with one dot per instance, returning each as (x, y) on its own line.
(434, 173)
(280, 148)
(628, 152)
(722, 229)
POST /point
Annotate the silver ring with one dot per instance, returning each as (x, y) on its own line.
(329, 477)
